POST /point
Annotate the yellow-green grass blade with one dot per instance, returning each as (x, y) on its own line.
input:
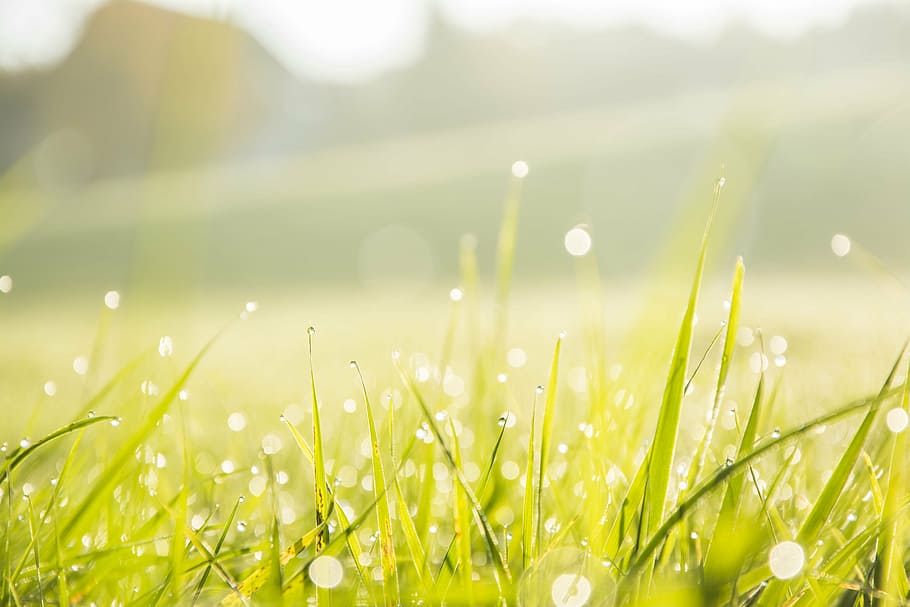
(33, 535)
(462, 524)
(260, 576)
(353, 542)
(19, 454)
(217, 550)
(718, 477)
(483, 523)
(546, 435)
(299, 579)
(383, 516)
(833, 488)
(412, 539)
(891, 577)
(718, 566)
(528, 528)
(704, 445)
(663, 447)
(323, 497)
(204, 551)
(125, 454)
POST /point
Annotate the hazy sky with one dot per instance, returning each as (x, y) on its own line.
(348, 40)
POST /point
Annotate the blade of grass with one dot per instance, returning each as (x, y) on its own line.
(218, 545)
(353, 543)
(891, 577)
(833, 488)
(663, 447)
(492, 544)
(383, 517)
(462, 526)
(716, 479)
(528, 528)
(323, 497)
(546, 435)
(726, 356)
(126, 451)
(19, 454)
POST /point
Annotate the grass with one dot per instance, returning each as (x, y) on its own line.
(448, 479)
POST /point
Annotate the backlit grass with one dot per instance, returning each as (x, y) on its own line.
(446, 474)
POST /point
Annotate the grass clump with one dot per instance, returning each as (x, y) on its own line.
(424, 501)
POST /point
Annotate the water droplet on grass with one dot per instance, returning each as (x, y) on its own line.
(577, 241)
(165, 346)
(897, 420)
(326, 571)
(786, 560)
(80, 365)
(456, 294)
(112, 299)
(6, 283)
(840, 244)
(50, 388)
(115, 422)
(311, 330)
(520, 169)
(236, 421)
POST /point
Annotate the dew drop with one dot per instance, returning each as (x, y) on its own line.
(786, 560)
(112, 299)
(326, 571)
(539, 389)
(91, 413)
(520, 169)
(456, 294)
(577, 241)
(6, 283)
(115, 422)
(165, 346)
(80, 365)
(570, 590)
(311, 330)
(897, 420)
(236, 421)
(840, 244)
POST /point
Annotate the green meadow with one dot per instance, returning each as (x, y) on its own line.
(666, 441)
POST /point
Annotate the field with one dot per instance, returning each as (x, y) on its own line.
(643, 442)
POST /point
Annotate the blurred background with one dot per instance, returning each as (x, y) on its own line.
(174, 146)
(328, 159)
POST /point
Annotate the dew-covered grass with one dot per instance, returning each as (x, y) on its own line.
(570, 444)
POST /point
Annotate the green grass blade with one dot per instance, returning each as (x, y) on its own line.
(726, 356)
(834, 487)
(489, 536)
(528, 528)
(384, 519)
(891, 577)
(462, 525)
(721, 475)
(323, 497)
(20, 454)
(354, 544)
(126, 451)
(546, 435)
(218, 545)
(663, 448)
